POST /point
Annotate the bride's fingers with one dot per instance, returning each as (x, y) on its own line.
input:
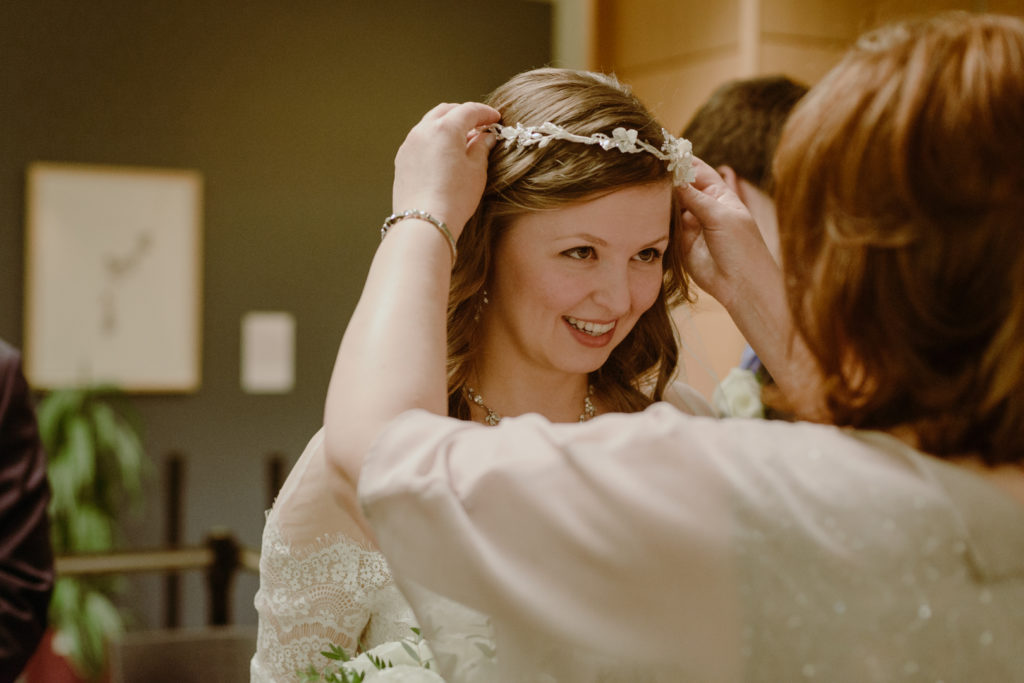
(438, 111)
(481, 140)
(439, 168)
(469, 116)
(466, 120)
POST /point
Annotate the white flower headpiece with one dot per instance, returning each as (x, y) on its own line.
(677, 152)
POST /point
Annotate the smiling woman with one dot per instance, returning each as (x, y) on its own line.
(577, 151)
(558, 305)
(568, 287)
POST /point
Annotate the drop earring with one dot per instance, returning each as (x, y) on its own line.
(480, 305)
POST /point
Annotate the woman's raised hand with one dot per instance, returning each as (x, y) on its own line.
(725, 254)
(441, 168)
(722, 247)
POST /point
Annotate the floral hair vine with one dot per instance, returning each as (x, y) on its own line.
(678, 152)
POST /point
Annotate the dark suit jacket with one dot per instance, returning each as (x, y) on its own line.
(26, 559)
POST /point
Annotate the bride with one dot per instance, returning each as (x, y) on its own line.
(559, 305)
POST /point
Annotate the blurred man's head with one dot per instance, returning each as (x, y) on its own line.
(736, 131)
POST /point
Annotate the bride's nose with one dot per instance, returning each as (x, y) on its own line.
(612, 290)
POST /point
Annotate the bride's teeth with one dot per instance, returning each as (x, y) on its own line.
(593, 329)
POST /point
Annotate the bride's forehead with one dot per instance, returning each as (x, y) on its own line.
(640, 213)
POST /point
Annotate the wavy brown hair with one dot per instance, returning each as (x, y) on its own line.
(900, 191)
(521, 181)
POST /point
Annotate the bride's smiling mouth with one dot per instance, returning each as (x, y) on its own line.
(589, 328)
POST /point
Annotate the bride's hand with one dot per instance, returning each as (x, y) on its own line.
(441, 168)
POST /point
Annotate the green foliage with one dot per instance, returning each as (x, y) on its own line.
(409, 650)
(311, 675)
(337, 653)
(337, 673)
(378, 662)
(96, 468)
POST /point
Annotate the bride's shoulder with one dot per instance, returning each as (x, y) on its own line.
(687, 399)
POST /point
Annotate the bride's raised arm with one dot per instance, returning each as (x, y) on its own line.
(392, 356)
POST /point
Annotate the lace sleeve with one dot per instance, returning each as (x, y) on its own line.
(322, 581)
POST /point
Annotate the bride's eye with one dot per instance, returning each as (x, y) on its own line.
(579, 253)
(650, 255)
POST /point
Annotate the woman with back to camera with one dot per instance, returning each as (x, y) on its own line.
(888, 547)
(558, 305)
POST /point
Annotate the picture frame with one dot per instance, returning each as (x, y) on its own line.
(113, 277)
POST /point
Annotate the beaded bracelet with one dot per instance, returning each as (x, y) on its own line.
(422, 215)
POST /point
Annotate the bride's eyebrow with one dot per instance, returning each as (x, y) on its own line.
(593, 239)
(586, 236)
(656, 242)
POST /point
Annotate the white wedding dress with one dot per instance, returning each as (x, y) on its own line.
(333, 591)
(322, 583)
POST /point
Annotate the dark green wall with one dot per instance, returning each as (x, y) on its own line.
(292, 111)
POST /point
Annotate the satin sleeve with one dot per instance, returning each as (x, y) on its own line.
(560, 532)
(683, 548)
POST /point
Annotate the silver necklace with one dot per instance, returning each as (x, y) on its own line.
(492, 418)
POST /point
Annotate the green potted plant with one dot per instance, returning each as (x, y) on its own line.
(96, 466)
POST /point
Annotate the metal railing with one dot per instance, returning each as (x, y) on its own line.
(221, 556)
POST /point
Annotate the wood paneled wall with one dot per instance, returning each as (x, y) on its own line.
(674, 53)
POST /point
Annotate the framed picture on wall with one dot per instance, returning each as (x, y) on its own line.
(113, 277)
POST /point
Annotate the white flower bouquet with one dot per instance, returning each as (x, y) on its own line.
(403, 661)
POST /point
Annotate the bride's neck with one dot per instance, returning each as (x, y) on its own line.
(511, 391)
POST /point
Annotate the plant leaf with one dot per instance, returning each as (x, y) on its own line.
(337, 653)
(90, 530)
(104, 424)
(80, 449)
(62, 487)
(131, 458)
(51, 412)
(100, 610)
(379, 662)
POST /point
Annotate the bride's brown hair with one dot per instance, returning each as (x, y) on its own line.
(521, 181)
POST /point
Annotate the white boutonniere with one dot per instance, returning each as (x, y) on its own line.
(738, 395)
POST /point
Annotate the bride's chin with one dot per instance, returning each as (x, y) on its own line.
(587, 369)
